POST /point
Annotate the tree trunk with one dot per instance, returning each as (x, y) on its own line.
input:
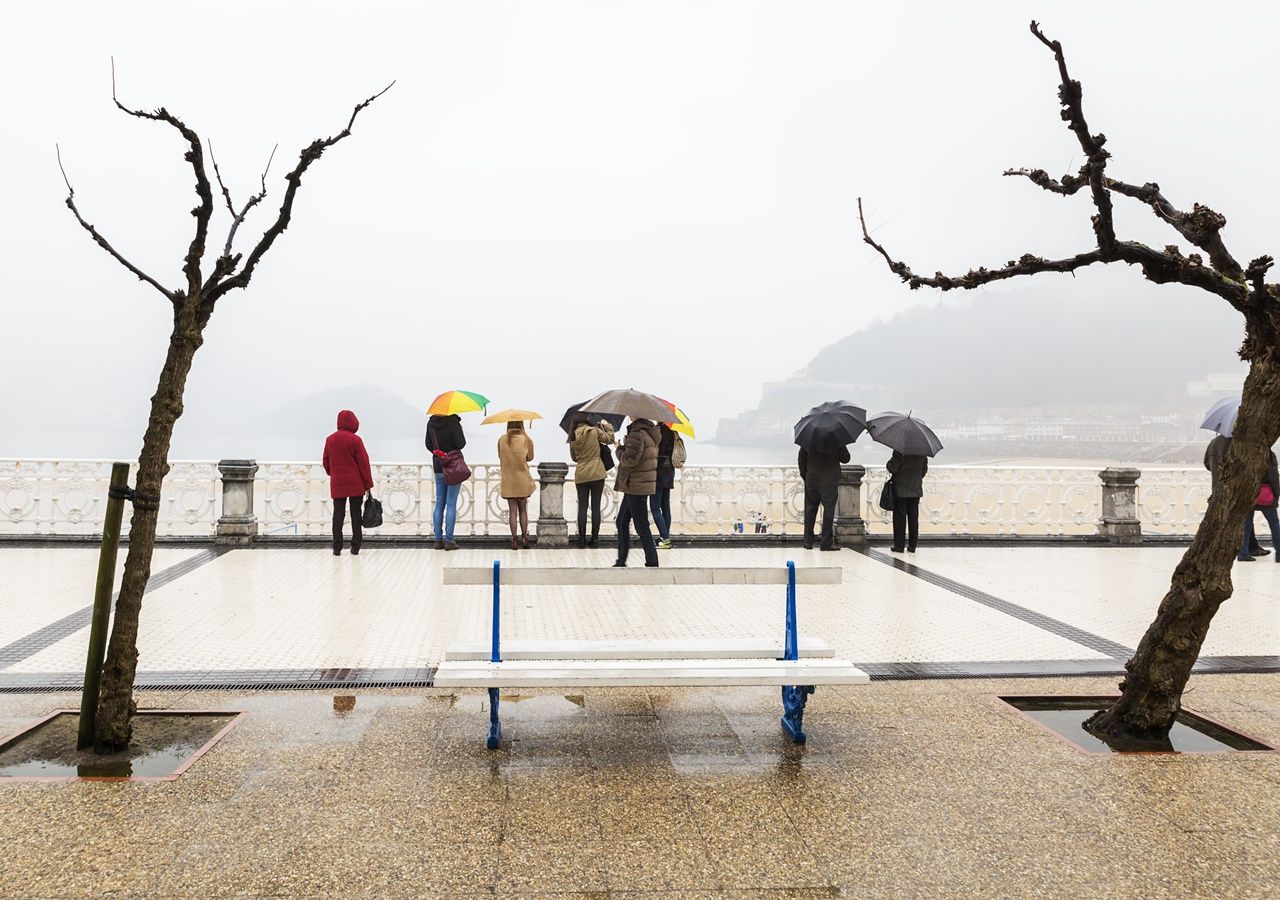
(115, 699)
(1157, 674)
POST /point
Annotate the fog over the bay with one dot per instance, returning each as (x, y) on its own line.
(562, 197)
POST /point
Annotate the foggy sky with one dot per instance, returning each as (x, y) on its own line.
(562, 197)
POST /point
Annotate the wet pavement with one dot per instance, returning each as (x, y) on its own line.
(917, 788)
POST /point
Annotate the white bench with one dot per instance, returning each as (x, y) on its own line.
(666, 663)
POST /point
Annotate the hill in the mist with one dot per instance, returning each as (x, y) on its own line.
(1038, 345)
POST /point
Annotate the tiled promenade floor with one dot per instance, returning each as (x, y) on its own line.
(914, 788)
(906, 789)
(1016, 609)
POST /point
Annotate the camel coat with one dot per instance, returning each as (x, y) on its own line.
(515, 452)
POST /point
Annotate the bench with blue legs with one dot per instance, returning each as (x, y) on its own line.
(796, 664)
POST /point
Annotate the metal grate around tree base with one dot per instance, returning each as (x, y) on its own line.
(232, 680)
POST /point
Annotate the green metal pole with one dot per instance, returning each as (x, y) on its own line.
(102, 602)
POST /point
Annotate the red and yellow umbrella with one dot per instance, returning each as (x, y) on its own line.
(452, 402)
(679, 421)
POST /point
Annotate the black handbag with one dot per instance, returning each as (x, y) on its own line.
(371, 515)
(888, 496)
(606, 457)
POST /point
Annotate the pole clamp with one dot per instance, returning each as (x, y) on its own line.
(139, 501)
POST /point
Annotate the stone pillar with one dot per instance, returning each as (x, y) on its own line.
(1119, 523)
(553, 530)
(237, 524)
(851, 530)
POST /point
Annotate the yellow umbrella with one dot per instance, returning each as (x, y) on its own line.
(511, 415)
(680, 422)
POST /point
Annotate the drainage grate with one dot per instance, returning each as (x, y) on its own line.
(233, 680)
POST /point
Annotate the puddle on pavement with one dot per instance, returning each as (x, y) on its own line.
(161, 744)
(1065, 716)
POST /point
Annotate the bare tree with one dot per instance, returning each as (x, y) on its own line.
(192, 304)
(1151, 692)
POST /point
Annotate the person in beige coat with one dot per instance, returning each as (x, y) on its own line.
(587, 441)
(515, 452)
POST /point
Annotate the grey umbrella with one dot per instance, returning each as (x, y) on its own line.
(908, 436)
(1221, 417)
(629, 402)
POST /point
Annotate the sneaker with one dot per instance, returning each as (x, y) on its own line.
(1260, 551)
(439, 545)
(619, 565)
(450, 545)
(1238, 559)
(664, 544)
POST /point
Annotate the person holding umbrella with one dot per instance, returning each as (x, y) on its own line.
(824, 434)
(515, 452)
(445, 437)
(637, 465)
(587, 443)
(912, 442)
(1221, 419)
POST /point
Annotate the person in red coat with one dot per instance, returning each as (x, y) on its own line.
(346, 462)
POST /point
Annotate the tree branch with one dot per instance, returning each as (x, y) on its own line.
(172, 296)
(1028, 264)
(194, 155)
(225, 261)
(1202, 226)
(1066, 185)
(1070, 95)
(309, 154)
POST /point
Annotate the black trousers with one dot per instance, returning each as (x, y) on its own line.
(635, 508)
(589, 491)
(340, 513)
(824, 495)
(906, 521)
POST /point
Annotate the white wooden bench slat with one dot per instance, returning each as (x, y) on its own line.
(656, 673)
(687, 648)
(570, 576)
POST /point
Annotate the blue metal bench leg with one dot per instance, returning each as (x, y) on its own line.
(495, 727)
(794, 698)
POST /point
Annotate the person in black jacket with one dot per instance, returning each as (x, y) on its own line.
(908, 474)
(444, 434)
(1268, 510)
(821, 474)
(660, 500)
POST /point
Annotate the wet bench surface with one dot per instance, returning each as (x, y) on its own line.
(668, 663)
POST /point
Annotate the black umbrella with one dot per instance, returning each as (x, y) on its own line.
(830, 426)
(567, 421)
(908, 436)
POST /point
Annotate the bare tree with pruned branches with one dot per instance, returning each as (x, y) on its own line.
(1151, 691)
(192, 304)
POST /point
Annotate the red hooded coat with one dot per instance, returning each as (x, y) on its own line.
(345, 460)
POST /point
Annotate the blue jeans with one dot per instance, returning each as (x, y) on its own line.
(1268, 513)
(660, 506)
(446, 511)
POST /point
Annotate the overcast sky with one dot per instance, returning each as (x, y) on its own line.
(561, 197)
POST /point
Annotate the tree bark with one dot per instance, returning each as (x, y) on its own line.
(1151, 692)
(115, 699)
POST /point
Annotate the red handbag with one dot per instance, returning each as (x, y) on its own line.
(1266, 496)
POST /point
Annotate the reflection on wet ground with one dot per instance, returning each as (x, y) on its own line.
(905, 789)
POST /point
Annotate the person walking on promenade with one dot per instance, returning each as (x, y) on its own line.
(660, 500)
(515, 452)
(821, 475)
(637, 480)
(1214, 455)
(1268, 495)
(586, 443)
(908, 487)
(444, 434)
(346, 462)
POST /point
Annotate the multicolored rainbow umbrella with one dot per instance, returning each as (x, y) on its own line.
(681, 422)
(452, 402)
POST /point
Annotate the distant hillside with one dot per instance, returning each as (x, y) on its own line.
(1040, 345)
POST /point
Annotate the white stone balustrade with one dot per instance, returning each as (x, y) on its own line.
(53, 497)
